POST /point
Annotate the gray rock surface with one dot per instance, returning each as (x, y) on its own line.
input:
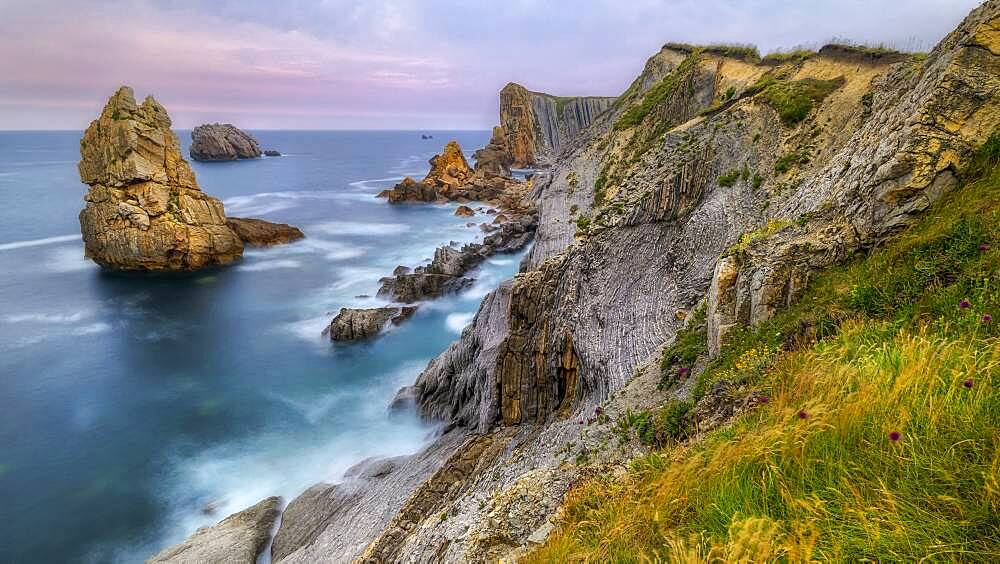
(237, 539)
(222, 142)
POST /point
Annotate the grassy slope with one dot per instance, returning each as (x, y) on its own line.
(876, 430)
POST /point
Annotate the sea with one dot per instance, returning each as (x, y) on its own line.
(136, 409)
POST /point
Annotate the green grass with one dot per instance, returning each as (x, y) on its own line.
(689, 344)
(657, 94)
(781, 57)
(876, 431)
(786, 161)
(743, 52)
(748, 238)
(729, 179)
(794, 99)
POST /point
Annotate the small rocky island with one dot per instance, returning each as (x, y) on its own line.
(223, 142)
(144, 209)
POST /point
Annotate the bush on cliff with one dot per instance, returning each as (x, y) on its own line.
(876, 430)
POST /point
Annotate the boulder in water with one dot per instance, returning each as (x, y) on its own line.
(222, 142)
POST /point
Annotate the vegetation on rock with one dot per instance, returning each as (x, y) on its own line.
(872, 432)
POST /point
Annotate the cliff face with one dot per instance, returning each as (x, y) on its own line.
(144, 208)
(536, 125)
(716, 179)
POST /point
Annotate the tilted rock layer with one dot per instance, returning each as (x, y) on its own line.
(237, 539)
(700, 158)
(536, 125)
(222, 142)
(144, 209)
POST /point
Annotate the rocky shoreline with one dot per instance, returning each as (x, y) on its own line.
(450, 179)
(698, 202)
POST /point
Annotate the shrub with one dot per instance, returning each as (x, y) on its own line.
(728, 179)
(757, 181)
(657, 94)
(785, 162)
(794, 99)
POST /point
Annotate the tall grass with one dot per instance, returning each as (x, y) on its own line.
(880, 441)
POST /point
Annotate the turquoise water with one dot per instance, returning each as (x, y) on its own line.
(128, 404)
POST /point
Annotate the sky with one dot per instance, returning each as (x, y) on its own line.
(393, 64)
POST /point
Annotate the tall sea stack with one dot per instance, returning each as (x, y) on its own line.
(144, 208)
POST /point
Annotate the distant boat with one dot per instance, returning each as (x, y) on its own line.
(425, 136)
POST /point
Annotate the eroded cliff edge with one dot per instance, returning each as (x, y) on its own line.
(717, 178)
(536, 125)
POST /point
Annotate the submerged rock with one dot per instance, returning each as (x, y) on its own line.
(260, 233)
(355, 324)
(237, 539)
(144, 209)
(271, 153)
(222, 142)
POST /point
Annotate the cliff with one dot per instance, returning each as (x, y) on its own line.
(673, 227)
(536, 125)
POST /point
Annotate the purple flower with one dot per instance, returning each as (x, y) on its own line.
(964, 304)
(581, 422)
(894, 436)
(968, 383)
(987, 318)
(984, 247)
(763, 399)
(598, 410)
(683, 371)
(803, 414)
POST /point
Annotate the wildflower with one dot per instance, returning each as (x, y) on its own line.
(964, 304)
(763, 399)
(598, 410)
(894, 436)
(581, 422)
(987, 318)
(803, 414)
(683, 371)
(968, 383)
(984, 247)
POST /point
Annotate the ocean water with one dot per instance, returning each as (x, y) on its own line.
(130, 403)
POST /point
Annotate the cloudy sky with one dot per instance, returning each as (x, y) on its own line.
(393, 64)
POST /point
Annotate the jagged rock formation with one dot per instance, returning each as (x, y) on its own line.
(237, 539)
(920, 128)
(446, 272)
(260, 233)
(536, 125)
(222, 142)
(701, 158)
(271, 153)
(356, 324)
(451, 179)
(494, 159)
(144, 208)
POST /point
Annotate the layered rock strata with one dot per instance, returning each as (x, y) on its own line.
(536, 125)
(237, 539)
(144, 209)
(356, 324)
